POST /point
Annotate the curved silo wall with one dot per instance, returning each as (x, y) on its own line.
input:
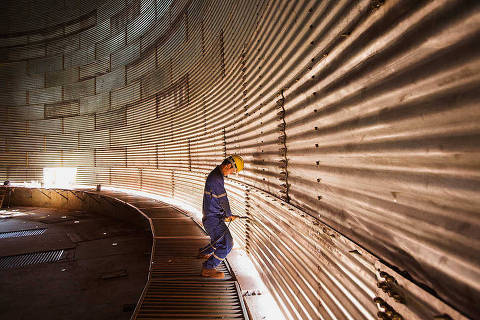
(358, 122)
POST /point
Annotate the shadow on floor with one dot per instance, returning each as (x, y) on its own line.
(90, 266)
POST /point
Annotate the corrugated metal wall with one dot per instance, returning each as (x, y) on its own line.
(358, 121)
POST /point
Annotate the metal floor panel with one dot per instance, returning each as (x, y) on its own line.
(179, 269)
(22, 233)
(191, 300)
(178, 247)
(22, 260)
(177, 228)
(163, 212)
(55, 219)
(146, 205)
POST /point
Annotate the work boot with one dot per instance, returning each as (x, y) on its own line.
(212, 273)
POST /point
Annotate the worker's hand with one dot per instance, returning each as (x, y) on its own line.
(231, 218)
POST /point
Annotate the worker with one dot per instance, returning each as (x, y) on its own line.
(216, 211)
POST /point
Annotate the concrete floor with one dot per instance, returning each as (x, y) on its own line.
(101, 274)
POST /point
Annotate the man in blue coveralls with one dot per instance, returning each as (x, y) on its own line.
(216, 211)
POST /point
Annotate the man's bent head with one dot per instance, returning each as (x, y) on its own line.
(232, 164)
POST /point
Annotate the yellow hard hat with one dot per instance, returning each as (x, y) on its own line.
(236, 161)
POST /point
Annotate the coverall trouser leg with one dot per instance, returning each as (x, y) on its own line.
(220, 248)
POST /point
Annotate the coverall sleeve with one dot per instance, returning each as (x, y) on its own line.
(221, 196)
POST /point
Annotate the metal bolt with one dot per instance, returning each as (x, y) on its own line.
(397, 316)
(398, 298)
(384, 286)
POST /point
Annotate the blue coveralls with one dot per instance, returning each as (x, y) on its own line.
(215, 209)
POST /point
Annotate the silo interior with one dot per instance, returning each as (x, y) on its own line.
(359, 124)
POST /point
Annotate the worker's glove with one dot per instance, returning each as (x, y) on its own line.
(231, 218)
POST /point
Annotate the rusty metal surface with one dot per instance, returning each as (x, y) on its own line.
(176, 258)
(358, 121)
(391, 284)
(176, 228)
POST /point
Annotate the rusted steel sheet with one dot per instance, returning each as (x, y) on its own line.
(358, 121)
